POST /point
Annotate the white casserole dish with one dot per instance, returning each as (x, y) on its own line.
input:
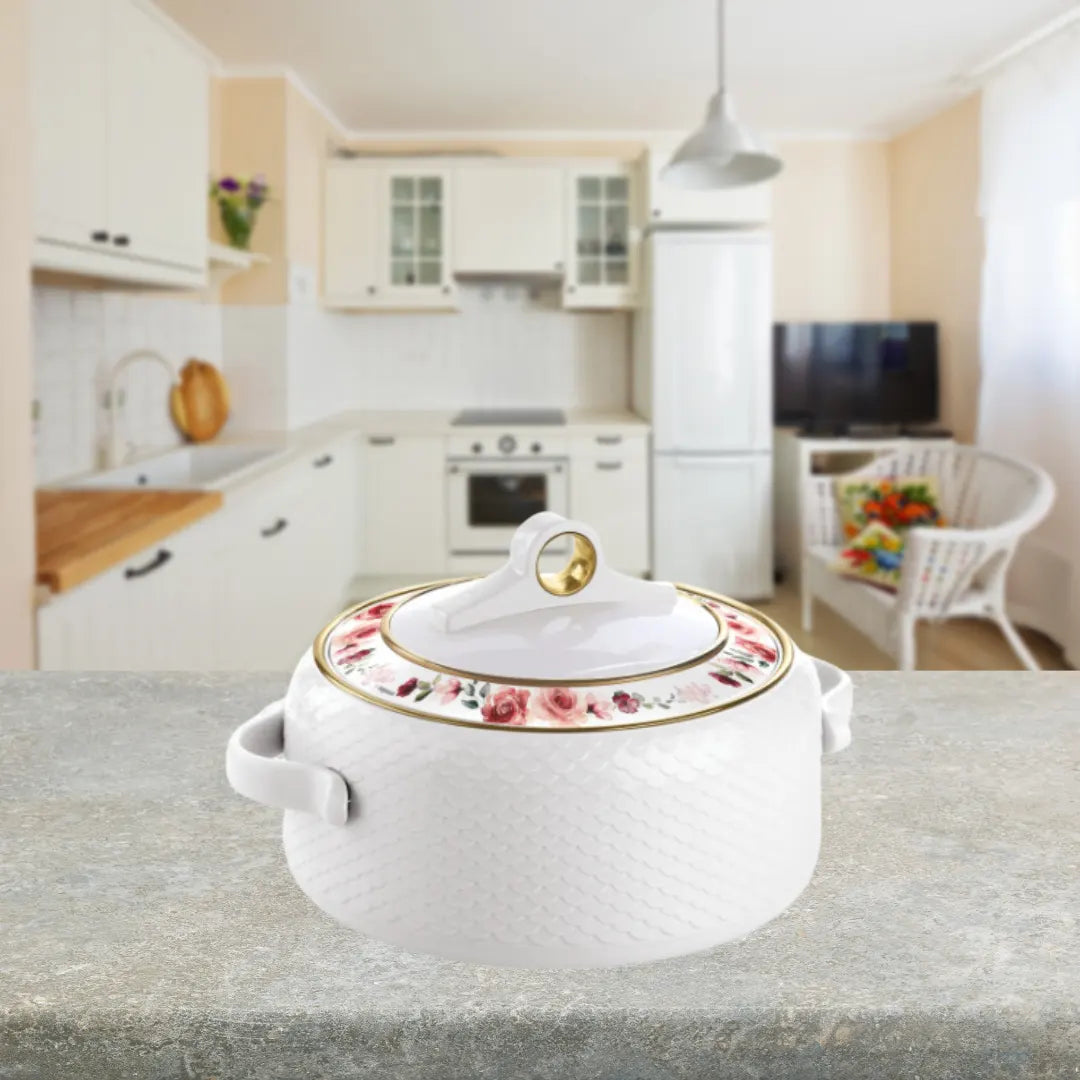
(578, 769)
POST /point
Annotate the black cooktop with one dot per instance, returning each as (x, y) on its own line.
(509, 417)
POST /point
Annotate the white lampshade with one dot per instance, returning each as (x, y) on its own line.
(721, 153)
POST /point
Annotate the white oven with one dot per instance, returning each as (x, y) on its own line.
(489, 497)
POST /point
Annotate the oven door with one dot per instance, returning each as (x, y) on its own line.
(488, 500)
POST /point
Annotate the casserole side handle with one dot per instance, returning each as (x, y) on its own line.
(836, 701)
(256, 770)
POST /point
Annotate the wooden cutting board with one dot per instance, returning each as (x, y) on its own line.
(82, 532)
(199, 402)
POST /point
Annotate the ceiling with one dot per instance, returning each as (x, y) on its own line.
(796, 66)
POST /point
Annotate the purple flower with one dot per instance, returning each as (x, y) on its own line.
(227, 183)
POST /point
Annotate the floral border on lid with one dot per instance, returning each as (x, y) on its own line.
(353, 654)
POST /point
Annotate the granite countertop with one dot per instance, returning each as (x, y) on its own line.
(150, 930)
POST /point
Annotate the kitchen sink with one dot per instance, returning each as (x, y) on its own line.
(186, 467)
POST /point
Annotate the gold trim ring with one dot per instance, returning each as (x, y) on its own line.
(578, 571)
(787, 650)
(721, 639)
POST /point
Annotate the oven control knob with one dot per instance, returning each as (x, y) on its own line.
(477, 448)
(507, 444)
(536, 448)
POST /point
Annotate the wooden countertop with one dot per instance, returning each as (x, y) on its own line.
(84, 531)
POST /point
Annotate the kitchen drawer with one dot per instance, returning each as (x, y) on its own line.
(609, 490)
(611, 445)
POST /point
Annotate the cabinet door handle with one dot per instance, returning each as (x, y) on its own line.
(371, 290)
(100, 236)
(571, 288)
(609, 466)
(322, 462)
(446, 289)
(158, 561)
(609, 440)
(279, 526)
(121, 240)
(381, 440)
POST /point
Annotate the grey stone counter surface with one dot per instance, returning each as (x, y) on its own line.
(149, 928)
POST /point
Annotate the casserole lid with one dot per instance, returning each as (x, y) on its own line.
(583, 647)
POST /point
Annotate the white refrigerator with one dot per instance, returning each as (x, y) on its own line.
(703, 377)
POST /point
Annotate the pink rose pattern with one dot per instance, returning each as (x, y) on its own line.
(559, 706)
(510, 705)
(357, 651)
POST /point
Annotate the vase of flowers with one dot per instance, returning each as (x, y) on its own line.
(239, 199)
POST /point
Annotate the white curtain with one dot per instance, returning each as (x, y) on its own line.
(1030, 393)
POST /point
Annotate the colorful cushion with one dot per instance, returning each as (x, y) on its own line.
(898, 503)
(875, 513)
(874, 556)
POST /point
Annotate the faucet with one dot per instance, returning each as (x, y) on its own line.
(115, 450)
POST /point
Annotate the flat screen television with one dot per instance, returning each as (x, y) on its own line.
(830, 377)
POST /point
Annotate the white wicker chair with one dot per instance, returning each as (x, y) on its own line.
(989, 502)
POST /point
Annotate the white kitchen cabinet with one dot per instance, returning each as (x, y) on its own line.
(67, 79)
(602, 237)
(351, 235)
(120, 115)
(727, 499)
(159, 140)
(288, 555)
(668, 205)
(509, 218)
(403, 514)
(268, 563)
(150, 613)
(387, 236)
(609, 489)
(332, 482)
(246, 588)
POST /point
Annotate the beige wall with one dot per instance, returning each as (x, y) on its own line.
(16, 446)
(937, 247)
(251, 129)
(266, 126)
(307, 135)
(831, 231)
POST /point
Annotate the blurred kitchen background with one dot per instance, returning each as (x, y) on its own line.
(467, 296)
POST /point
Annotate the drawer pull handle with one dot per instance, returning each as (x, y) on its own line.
(609, 440)
(381, 440)
(99, 236)
(158, 561)
(322, 462)
(609, 466)
(121, 240)
(279, 526)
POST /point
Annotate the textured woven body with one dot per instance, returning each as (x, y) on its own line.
(543, 849)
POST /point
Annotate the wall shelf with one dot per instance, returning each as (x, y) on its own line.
(224, 262)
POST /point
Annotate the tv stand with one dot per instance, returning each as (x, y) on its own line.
(797, 457)
(877, 432)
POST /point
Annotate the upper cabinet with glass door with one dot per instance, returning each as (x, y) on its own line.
(417, 242)
(603, 238)
(386, 236)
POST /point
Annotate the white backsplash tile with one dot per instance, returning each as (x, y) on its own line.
(509, 345)
(78, 337)
(289, 365)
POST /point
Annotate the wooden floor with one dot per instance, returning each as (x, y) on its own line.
(956, 645)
